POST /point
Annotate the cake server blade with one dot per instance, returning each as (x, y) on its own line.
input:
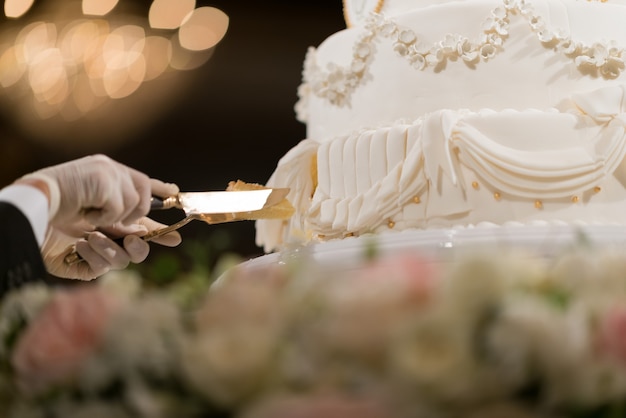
(240, 201)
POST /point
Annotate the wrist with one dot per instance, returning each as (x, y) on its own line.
(37, 183)
(48, 186)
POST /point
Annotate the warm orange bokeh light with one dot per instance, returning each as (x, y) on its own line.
(169, 14)
(203, 29)
(98, 7)
(16, 8)
(71, 64)
(11, 69)
(158, 53)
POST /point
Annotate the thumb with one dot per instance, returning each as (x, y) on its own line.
(162, 189)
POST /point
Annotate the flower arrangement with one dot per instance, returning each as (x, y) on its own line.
(482, 334)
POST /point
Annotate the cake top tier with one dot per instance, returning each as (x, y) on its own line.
(357, 11)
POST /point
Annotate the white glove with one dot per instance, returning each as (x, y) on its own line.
(94, 198)
(100, 190)
(99, 252)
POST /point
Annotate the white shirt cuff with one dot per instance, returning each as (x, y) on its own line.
(33, 203)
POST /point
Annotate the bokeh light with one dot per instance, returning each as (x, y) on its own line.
(71, 61)
(169, 14)
(16, 8)
(203, 29)
(98, 7)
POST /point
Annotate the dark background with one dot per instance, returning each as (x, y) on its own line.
(233, 119)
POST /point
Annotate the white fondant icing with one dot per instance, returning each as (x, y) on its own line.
(532, 129)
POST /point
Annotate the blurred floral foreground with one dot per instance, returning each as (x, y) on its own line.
(502, 334)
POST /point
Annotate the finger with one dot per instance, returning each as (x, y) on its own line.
(135, 192)
(126, 197)
(136, 248)
(93, 264)
(162, 189)
(141, 185)
(114, 255)
(131, 200)
(171, 239)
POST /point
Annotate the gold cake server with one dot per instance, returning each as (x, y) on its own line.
(241, 201)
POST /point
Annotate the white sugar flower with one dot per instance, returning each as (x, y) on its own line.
(511, 4)
(536, 23)
(599, 53)
(466, 50)
(584, 61)
(613, 67)
(569, 46)
(499, 13)
(489, 24)
(546, 35)
(502, 28)
(401, 48)
(388, 29)
(435, 56)
(407, 37)
(525, 8)
(418, 61)
(488, 51)
(302, 105)
(449, 44)
(362, 50)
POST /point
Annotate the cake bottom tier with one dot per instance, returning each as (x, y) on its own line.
(457, 168)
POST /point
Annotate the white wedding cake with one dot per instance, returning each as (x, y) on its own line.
(457, 115)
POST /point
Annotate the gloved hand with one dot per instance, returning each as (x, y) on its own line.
(100, 190)
(92, 199)
(99, 252)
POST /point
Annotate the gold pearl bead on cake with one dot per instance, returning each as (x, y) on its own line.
(538, 204)
(417, 200)
(497, 196)
(391, 224)
(575, 199)
(475, 185)
(597, 189)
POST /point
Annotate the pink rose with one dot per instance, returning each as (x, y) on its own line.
(612, 332)
(364, 308)
(413, 273)
(53, 347)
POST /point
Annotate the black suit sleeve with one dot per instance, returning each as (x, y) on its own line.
(20, 256)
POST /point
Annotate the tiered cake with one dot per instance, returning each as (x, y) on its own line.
(449, 115)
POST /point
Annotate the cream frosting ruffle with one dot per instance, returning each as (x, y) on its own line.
(368, 177)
